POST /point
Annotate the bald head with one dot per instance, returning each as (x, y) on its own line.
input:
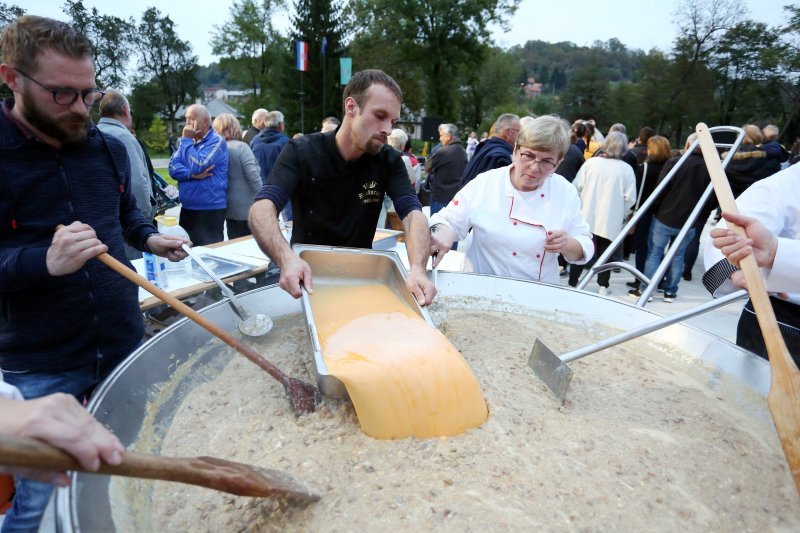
(198, 121)
(114, 105)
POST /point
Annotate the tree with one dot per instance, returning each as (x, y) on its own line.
(166, 64)
(700, 24)
(111, 39)
(313, 21)
(488, 85)
(742, 61)
(438, 37)
(248, 44)
(788, 86)
(9, 13)
(587, 89)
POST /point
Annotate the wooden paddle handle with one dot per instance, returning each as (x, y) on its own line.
(785, 403)
(209, 472)
(193, 315)
(33, 453)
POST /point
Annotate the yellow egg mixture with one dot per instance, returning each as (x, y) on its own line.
(404, 377)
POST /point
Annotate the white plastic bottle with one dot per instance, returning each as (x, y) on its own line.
(169, 226)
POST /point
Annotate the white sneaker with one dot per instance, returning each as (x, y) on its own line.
(604, 291)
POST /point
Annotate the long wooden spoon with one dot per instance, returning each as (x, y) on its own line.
(784, 392)
(210, 472)
(303, 397)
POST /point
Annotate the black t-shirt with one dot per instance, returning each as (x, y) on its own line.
(336, 202)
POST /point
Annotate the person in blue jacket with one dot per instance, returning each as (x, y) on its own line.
(266, 147)
(494, 152)
(200, 166)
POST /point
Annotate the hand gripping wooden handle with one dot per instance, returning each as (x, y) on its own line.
(784, 393)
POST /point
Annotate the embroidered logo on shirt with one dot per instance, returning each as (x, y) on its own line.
(370, 193)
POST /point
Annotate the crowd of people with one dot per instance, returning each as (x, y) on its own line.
(538, 197)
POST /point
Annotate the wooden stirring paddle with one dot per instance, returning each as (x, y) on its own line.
(303, 397)
(209, 472)
(784, 392)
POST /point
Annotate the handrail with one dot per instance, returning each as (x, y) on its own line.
(601, 263)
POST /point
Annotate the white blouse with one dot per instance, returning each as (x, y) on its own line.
(509, 226)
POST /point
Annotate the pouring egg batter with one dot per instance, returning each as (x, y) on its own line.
(404, 377)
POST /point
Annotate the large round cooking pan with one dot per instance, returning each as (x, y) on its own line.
(120, 402)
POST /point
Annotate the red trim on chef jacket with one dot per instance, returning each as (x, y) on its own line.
(541, 260)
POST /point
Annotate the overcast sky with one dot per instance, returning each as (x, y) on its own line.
(637, 24)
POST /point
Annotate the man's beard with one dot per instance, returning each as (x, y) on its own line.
(374, 146)
(70, 129)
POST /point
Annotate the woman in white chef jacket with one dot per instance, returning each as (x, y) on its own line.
(521, 216)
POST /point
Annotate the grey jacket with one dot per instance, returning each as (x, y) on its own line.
(244, 180)
(140, 175)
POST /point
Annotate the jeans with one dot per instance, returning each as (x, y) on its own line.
(31, 497)
(661, 236)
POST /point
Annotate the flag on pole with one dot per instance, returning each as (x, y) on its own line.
(346, 68)
(302, 56)
(324, 45)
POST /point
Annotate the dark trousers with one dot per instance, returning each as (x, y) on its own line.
(237, 228)
(603, 278)
(640, 237)
(748, 334)
(204, 227)
(693, 249)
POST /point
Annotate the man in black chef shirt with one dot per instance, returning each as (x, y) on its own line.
(336, 182)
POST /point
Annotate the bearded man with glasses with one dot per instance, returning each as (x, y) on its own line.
(522, 216)
(66, 320)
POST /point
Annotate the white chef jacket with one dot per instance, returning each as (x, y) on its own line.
(607, 188)
(509, 227)
(775, 202)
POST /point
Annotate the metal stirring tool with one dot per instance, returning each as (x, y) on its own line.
(250, 325)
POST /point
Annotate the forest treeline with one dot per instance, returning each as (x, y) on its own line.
(723, 67)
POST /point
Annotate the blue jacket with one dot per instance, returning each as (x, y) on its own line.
(63, 322)
(269, 145)
(489, 154)
(193, 158)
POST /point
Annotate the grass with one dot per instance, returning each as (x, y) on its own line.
(164, 173)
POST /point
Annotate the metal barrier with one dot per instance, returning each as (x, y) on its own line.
(601, 265)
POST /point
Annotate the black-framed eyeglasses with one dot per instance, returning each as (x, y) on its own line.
(529, 158)
(66, 96)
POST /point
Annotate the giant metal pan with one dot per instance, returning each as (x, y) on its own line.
(120, 402)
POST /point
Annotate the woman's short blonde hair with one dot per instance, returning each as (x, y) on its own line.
(658, 149)
(228, 127)
(397, 139)
(547, 133)
(752, 135)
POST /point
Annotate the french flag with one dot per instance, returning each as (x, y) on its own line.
(302, 56)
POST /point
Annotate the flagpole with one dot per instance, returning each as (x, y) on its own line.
(300, 94)
(324, 80)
